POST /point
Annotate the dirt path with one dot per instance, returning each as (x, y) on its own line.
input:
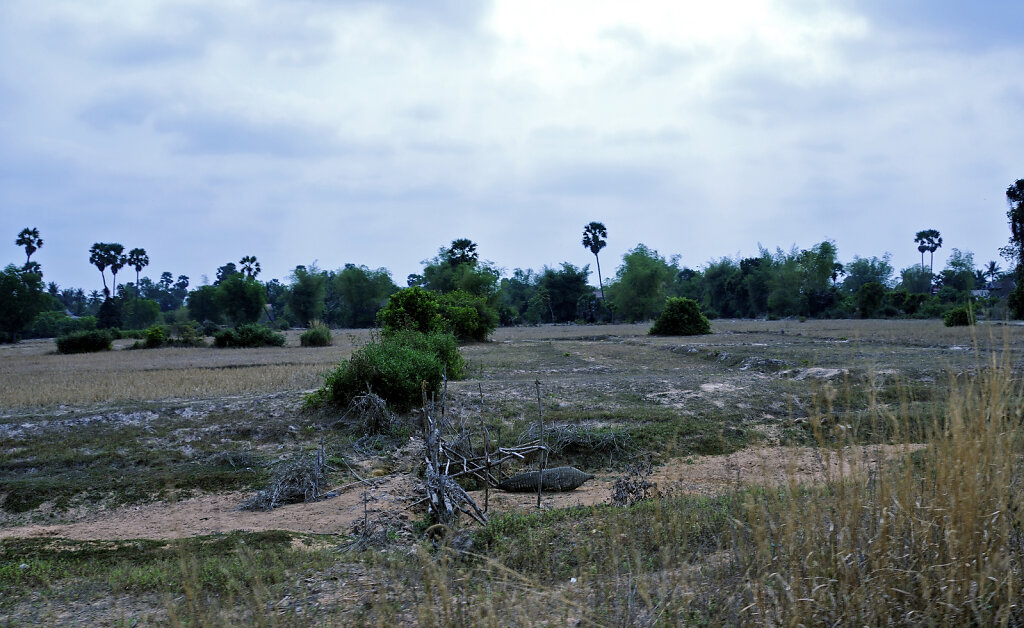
(390, 497)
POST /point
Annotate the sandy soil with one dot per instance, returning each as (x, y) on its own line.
(389, 498)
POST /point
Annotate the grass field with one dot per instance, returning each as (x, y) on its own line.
(931, 534)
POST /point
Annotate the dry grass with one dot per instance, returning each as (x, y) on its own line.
(34, 375)
(934, 538)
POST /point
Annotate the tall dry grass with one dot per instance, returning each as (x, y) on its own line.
(934, 538)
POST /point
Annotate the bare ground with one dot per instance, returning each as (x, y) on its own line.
(390, 498)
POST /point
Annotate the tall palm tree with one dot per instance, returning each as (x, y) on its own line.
(250, 266)
(100, 257)
(137, 259)
(29, 238)
(992, 270)
(928, 240)
(593, 239)
(118, 261)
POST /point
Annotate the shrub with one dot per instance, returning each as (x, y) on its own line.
(248, 335)
(412, 309)
(681, 317)
(85, 341)
(394, 367)
(189, 335)
(468, 316)
(318, 335)
(958, 317)
(155, 336)
(54, 324)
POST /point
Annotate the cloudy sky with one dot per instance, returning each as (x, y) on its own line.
(377, 132)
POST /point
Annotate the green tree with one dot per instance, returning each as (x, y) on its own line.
(137, 259)
(103, 255)
(641, 284)
(355, 294)
(29, 238)
(514, 296)
(119, 261)
(915, 279)
(864, 270)
(594, 235)
(565, 286)
(412, 309)
(1015, 250)
(21, 298)
(959, 273)
(224, 272)
(203, 305)
(250, 267)
(241, 298)
(306, 297)
(869, 299)
(458, 268)
(931, 241)
(461, 251)
(992, 271)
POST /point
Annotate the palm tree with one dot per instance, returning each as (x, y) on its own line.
(100, 257)
(992, 271)
(138, 260)
(29, 238)
(593, 239)
(928, 240)
(118, 261)
(250, 266)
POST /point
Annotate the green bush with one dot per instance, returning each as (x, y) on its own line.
(54, 324)
(681, 317)
(958, 317)
(318, 335)
(395, 367)
(411, 309)
(85, 341)
(155, 336)
(188, 335)
(468, 316)
(248, 335)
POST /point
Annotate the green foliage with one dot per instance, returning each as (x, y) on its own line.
(869, 298)
(241, 298)
(53, 324)
(355, 294)
(468, 316)
(203, 305)
(681, 317)
(21, 298)
(188, 334)
(318, 335)
(411, 309)
(396, 367)
(641, 283)
(958, 317)
(458, 268)
(565, 286)
(139, 313)
(916, 279)
(109, 315)
(248, 335)
(863, 270)
(155, 336)
(306, 297)
(85, 341)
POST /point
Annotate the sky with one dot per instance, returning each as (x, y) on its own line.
(374, 133)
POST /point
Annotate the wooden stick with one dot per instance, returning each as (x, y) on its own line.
(544, 454)
(487, 452)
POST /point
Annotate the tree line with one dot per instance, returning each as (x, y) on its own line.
(810, 283)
